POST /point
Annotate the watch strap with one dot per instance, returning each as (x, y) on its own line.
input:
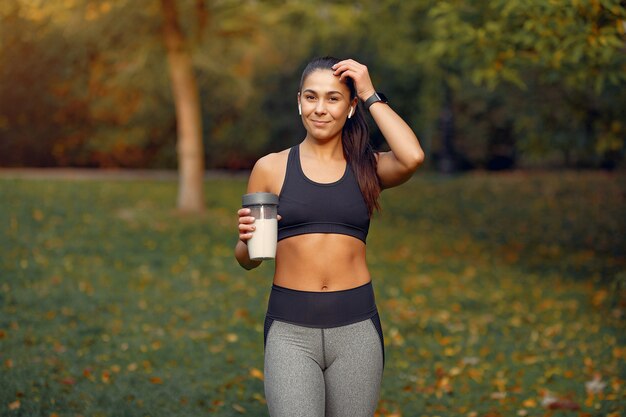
(375, 98)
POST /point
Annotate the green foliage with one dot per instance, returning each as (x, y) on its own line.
(551, 74)
(579, 44)
(493, 291)
(559, 67)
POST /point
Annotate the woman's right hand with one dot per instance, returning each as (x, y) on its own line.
(246, 225)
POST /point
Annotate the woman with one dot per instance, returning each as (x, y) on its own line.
(324, 351)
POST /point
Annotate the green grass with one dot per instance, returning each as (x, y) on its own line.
(492, 290)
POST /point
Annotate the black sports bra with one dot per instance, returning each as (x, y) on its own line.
(307, 206)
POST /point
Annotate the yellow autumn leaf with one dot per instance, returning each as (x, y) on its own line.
(260, 398)
(449, 351)
(38, 215)
(256, 373)
(106, 377)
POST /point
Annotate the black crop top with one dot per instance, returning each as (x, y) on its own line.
(307, 206)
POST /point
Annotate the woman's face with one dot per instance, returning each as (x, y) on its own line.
(325, 103)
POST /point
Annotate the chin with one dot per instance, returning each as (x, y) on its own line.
(323, 135)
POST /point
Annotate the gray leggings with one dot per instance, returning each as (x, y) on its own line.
(323, 372)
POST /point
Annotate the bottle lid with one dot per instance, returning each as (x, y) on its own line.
(256, 199)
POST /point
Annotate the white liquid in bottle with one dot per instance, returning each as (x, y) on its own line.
(262, 245)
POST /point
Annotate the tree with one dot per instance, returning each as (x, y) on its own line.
(570, 50)
(531, 79)
(185, 91)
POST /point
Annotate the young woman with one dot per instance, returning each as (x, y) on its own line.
(324, 350)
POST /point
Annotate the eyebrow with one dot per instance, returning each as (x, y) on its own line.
(308, 90)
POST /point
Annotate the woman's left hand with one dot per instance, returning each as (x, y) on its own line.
(358, 72)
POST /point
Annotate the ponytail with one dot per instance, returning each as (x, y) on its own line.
(359, 154)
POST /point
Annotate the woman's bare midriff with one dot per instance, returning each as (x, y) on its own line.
(321, 262)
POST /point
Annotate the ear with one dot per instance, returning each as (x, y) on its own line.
(299, 106)
(353, 107)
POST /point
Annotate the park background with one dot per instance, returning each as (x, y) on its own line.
(498, 269)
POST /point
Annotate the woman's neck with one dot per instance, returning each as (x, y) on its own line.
(327, 150)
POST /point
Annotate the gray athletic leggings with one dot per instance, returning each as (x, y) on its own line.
(323, 372)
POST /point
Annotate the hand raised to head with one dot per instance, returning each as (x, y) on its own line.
(359, 74)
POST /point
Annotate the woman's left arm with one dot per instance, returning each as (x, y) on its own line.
(406, 154)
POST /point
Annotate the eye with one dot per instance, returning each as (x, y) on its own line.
(309, 97)
(333, 99)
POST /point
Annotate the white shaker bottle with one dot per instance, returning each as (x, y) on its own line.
(263, 207)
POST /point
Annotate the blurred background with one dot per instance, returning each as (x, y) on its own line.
(501, 293)
(486, 85)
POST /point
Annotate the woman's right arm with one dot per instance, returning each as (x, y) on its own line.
(258, 182)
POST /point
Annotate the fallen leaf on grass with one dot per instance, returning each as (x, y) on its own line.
(471, 360)
(68, 381)
(256, 373)
(552, 402)
(596, 385)
(564, 404)
(260, 398)
(106, 377)
(38, 215)
(15, 405)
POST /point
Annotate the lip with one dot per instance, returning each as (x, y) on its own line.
(319, 123)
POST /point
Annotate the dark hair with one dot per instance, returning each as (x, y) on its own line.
(355, 139)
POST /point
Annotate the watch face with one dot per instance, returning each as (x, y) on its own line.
(382, 97)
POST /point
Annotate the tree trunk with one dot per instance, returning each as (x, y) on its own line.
(187, 102)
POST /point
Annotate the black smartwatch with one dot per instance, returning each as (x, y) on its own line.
(375, 98)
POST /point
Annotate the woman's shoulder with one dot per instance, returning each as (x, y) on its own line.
(268, 171)
(271, 161)
(273, 158)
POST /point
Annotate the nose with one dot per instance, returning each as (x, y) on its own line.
(320, 107)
